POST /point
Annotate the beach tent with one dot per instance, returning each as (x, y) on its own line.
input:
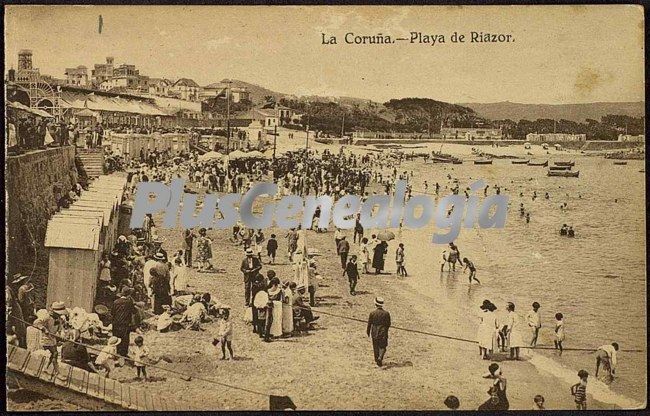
(74, 256)
(237, 154)
(210, 156)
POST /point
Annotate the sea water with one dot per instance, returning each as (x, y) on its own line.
(596, 280)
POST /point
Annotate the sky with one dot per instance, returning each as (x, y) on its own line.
(560, 54)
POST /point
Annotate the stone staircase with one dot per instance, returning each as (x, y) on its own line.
(93, 161)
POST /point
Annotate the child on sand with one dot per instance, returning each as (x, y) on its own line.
(538, 403)
(472, 270)
(399, 260)
(559, 331)
(579, 390)
(107, 358)
(140, 353)
(225, 333)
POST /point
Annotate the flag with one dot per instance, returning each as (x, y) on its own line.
(281, 403)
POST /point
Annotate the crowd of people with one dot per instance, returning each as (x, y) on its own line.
(140, 287)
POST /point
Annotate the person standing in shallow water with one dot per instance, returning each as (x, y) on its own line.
(377, 330)
(534, 323)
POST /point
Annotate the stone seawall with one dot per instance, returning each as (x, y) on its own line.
(33, 183)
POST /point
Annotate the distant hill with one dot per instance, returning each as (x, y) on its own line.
(574, 112)
(416, 115)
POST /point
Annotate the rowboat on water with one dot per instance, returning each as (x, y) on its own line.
(620, 163)
(457, 162)
(520, 162)
(483, 162)
(570, 163)
(564, 173)
(560, 167)
(544, 163)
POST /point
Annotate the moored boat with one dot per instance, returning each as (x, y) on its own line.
(570, 163)
(457, 162)
(520, 162)
(483, 162)
(544, 163)
(560, 167)
(564, 173)
(620, 163)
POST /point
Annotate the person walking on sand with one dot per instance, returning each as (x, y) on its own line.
(343, 249)
(579, 390)
(225, 333)
(606, 355)
(399, 260)
(377, 330)
(444, 261)
(271, 248)
(534, 323)
(250, 266)
(472, 270)
(365, 255)
(559, 332)
(353, 273)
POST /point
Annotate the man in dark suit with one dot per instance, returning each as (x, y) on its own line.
(250, 266)
(123, 312)
(343, 248)
(378, 324)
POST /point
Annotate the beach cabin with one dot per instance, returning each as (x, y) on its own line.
(526, 145)
(544, 146)
(74, 256)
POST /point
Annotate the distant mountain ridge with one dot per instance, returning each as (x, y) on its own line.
(573, 112)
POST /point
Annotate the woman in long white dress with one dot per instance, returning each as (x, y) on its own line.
(487, 330)
(287, 310)
(515, 331)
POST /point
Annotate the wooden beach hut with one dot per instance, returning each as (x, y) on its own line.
(74, 256)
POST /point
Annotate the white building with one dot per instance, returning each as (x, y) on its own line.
(186, 89)
(471, 133)
(77, 77)
(555, 137)
(630, 138)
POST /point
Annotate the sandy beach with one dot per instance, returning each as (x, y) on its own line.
(331, 367)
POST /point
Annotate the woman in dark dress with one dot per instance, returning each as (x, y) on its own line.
(498, 399)
(380, 251)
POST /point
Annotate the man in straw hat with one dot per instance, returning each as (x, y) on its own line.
(250, 266)
(378, 325)
(51, 328)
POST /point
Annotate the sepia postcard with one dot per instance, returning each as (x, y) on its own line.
(214, 208)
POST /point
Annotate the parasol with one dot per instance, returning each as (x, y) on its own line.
(385, 235)
(261, 299)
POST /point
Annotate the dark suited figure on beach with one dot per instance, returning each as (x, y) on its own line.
(123, 312)
(250, 266)
(378, 325)
(343, 248)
